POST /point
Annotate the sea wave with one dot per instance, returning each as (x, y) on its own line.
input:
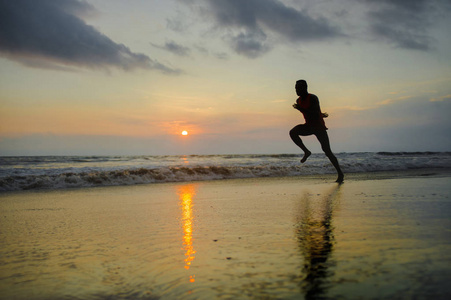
(427, 153)
(138, 176)
(354, 163)
(59, 172)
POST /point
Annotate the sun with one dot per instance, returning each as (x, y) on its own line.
(184, 132)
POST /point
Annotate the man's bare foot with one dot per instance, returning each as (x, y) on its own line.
(340, 178)
(306, 155)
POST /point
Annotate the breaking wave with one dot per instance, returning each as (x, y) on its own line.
(35, 173)
(139, 176)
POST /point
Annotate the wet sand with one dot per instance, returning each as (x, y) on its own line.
(374, 237)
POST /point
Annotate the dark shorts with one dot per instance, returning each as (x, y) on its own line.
(305, 130)
(321, 135)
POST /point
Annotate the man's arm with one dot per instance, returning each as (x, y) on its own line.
(314, 105)
(315, 108)
(296, 106)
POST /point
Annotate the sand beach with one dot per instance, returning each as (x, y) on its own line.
(377, 236)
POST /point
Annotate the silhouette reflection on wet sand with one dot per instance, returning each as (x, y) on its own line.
(315, 235)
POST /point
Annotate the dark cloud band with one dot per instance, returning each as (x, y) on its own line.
(252, 20)
(174, 48)
(52, 33)
(253, 27)
(402, 23)
(247, 25)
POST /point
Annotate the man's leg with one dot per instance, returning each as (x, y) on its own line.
(323, 138)
(295, 133)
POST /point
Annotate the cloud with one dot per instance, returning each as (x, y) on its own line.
(253, 27)
(247, 24)
(249, 44)
(404, 23)
(174, 48)
(392, 100)
(52, 34)
(441, 98)
(205, 52)
(176, 24)
(271, 15)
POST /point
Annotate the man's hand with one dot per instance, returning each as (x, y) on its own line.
(325, 114)
(296, 106)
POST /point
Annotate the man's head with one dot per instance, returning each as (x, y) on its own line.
(301, 87)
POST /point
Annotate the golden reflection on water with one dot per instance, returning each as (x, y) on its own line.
(315, 235)
(186, 194)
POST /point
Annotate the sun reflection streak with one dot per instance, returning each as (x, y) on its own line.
(185, 159)
(186, 194)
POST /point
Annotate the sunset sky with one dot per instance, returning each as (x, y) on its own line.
(117, 77)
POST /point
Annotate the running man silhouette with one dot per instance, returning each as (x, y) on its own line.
(308, 105)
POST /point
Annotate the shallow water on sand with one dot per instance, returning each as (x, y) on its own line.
(278, 238)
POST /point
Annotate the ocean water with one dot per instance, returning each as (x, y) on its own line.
(58, 172)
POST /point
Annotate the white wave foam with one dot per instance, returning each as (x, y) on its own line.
(206, 168)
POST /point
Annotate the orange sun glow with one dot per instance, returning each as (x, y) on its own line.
(184, 132)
